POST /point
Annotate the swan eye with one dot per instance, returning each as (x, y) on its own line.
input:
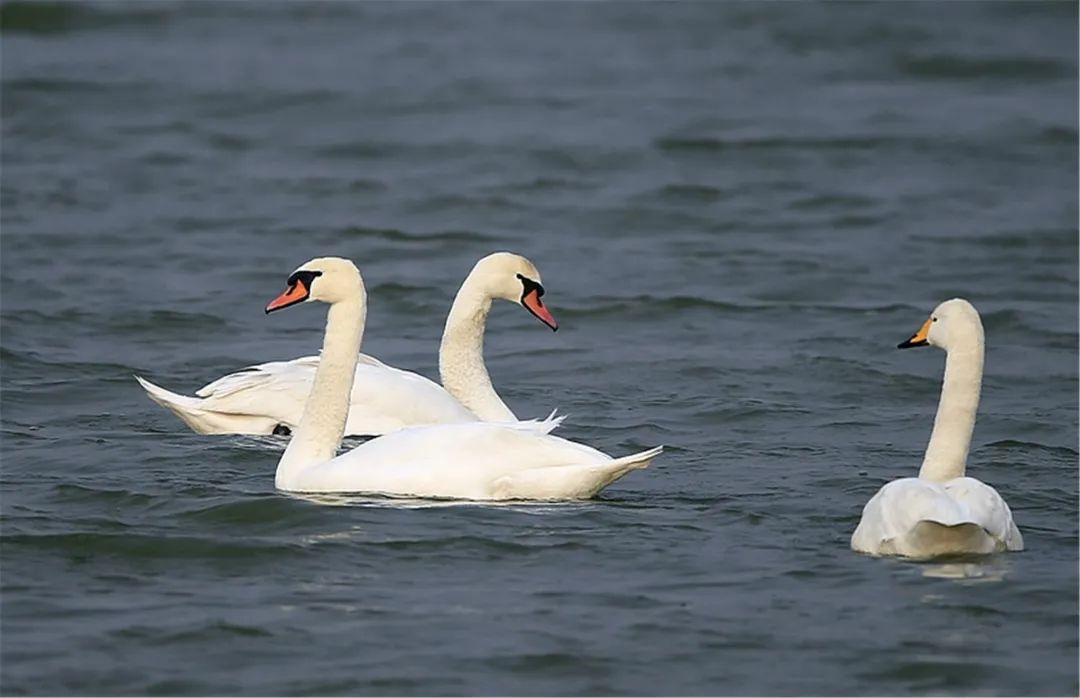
(934, 319)
(528, 286)
(304, 277)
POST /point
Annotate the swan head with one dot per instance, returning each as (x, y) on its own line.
(326, 279)
(954, 323)
(512, 277)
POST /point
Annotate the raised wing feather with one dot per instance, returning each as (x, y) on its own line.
(891, 520)
(987, 508)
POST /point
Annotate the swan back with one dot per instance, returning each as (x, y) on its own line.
(465, 461)
(913, 517)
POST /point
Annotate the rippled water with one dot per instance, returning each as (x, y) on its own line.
(738, 210)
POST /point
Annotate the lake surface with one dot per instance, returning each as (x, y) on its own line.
(738, 211)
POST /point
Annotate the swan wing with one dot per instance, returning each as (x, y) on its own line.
(539, 426)
(912, 517)
(276, 390)
(894, 510)
(206, 421)
(265, 375)
(258, 376)
(253, 400)
(383, 398)
(987, 508)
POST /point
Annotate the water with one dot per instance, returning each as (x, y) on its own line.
(738, 211)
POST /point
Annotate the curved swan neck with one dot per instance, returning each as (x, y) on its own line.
(322, 426)
(946, 454)
(461, 354)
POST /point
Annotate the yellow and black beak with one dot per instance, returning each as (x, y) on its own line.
(920, 338)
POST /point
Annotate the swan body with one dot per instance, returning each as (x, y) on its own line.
(476, 461)
(912, 517)
(268, 397)
(942, 512)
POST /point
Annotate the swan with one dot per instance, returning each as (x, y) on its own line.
(942, 512)
(475, 461)
(269, 398)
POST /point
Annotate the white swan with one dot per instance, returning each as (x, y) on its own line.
(269, 398)
(477, 461)
(942, 512)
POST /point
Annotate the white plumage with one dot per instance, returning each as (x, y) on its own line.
(478, 460)
(943, 512)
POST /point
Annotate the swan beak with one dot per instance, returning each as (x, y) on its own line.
(297, 293)
(919, 339)
(534, 305)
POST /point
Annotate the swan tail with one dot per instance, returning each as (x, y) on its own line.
(616, 468)
(635, 461)
(935, 539)
(167, 398)
(201, 420)
(570, 481)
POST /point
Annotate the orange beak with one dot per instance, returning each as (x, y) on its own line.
(297, 293)
(534, 305)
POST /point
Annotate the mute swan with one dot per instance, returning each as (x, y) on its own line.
(942, 512)
(269, 398)
(478, 460)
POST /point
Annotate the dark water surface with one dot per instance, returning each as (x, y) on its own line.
(738, 211)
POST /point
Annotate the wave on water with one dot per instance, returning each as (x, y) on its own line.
(133, 544)
(43, 17)
(956, 67)
(418, 238)
(706, 144)
(647, 303)
(1059, 238)
(1010, 445)
(18, 360)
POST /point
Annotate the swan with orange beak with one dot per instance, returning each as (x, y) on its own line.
(269, 398)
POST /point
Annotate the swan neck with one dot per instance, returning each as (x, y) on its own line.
(322, 425)
(461, 355)
(946, 454)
